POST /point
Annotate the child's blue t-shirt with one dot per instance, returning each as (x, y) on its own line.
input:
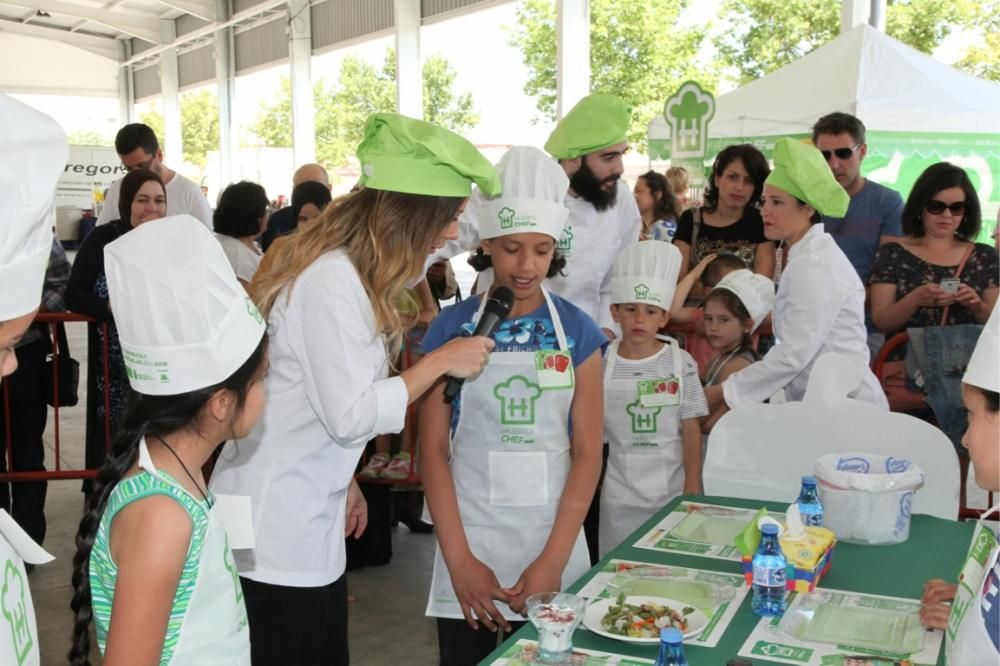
(528, 333)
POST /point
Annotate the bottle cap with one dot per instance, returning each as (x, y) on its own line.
(808, 480)
(769, 529)
(671, 635)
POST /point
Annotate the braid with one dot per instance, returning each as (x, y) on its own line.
(124, 455)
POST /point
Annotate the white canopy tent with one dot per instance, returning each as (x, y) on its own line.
(917, 110)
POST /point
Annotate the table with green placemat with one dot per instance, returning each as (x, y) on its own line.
(935, 549)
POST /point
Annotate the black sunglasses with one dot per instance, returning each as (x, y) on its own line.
(841, 153)
(935, 207)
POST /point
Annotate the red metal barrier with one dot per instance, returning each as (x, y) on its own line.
(53, 319)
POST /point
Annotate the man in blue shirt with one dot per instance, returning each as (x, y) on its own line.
(875, 211)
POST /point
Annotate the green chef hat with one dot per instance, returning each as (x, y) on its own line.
(800, 170)
(597, 121)
(401, 154)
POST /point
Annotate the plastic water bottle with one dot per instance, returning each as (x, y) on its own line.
(671, 648)
(810, 507)
(769, 575)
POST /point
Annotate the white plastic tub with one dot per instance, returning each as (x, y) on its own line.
(866, 497)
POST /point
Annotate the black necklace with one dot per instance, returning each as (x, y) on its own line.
(184, 467)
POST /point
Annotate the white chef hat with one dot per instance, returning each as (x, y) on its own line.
(34, 151)
(755, 292)
(532, 200)
(183, 319)
(984, 364)
(646, 272)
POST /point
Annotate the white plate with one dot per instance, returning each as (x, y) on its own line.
(697, 621)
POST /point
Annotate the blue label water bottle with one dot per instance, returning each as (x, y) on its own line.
(810, 507)
(671, 648)
(769, 566)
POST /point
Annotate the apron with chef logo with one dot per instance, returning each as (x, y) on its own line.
(510, 459)
(976, 602)
(645, 453)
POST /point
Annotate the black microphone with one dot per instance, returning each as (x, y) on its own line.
(497, 308)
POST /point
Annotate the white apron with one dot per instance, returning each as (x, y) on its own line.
(645, 452)
(510, 459)
(215, 629)
(967, 640)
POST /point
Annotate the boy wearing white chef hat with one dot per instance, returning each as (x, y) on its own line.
(972, 619)
(34, 153)
(194, 347)
(653, 399)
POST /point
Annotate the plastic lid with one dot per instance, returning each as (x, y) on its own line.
(809, 480)
(769, 529)
(671, 635)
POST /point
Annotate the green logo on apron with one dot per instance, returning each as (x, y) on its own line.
(15, 610)
(227, 561)
(643, 418)
(517, 398)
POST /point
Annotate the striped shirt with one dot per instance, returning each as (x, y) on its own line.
(104, 571)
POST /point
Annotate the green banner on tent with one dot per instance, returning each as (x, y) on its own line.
(688, 113)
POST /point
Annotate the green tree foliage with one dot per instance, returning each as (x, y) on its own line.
(199, 125)
(983, 56)
(760, 36)
(89, 138)
(362, 89)
(637, 51)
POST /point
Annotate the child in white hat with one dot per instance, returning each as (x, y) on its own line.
(739, 303)
(653, 400)
(510, 467)
(972, 619)
(153, 567)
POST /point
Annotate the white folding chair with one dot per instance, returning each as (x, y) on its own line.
(762, 451)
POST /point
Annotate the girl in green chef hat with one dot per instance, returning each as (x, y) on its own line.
(820, 304)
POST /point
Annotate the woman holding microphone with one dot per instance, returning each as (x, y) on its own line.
(330, 299)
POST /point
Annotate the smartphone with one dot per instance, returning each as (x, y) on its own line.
(950, 285)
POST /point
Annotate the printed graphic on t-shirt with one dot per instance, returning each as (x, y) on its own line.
(990, 609)
(525, 334)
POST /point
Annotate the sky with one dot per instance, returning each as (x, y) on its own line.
(485, 63)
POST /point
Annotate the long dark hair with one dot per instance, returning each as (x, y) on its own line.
(666, 206)
(131, 184)
(731, 302)
(157, 415)
(753, 161)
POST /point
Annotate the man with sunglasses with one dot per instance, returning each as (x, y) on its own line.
(875, 212)
(138, 148)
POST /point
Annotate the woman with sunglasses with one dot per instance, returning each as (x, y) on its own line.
(937, 264)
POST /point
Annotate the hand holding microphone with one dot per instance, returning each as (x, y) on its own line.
(497, 308)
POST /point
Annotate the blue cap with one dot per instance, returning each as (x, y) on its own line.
(769, 529)
(671, 635)
(809, 480)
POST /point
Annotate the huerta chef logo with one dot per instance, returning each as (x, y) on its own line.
(509, 219)
(517, 398)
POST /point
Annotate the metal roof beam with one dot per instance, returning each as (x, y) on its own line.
(131, 23)
(102, 46)
(200, 8)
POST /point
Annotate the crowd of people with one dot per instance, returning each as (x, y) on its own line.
(576, 419)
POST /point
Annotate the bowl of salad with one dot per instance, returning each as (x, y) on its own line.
(639, 619)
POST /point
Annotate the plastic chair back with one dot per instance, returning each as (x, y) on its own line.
(762, 451)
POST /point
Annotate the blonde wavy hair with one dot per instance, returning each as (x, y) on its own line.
(387, 236)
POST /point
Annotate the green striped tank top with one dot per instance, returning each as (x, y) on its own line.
(104, 571)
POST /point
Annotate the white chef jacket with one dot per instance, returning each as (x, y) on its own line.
(820, 308)
(591, 241)
(328, 394)
(184, 197)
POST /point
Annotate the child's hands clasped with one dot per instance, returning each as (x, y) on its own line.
(934, 611)
(540, 576)
(476, 587)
